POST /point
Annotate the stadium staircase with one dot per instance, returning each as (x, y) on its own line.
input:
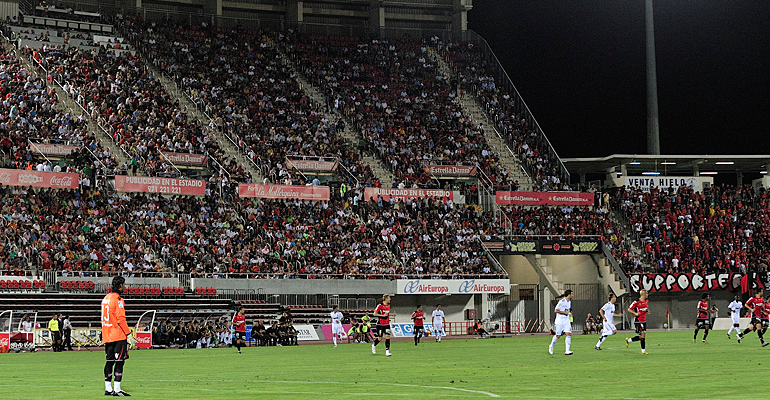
(507, 157)
(228, 144)
(66, 102)
(379, 169)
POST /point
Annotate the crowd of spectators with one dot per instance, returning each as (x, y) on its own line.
(433, 236)
(400, 103)
(133, 105)
(29, 113)
(241, 82)
(721, 229)
(476, 74)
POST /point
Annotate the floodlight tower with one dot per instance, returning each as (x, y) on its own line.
(653, 131)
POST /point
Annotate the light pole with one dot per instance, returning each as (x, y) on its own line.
(653, 129)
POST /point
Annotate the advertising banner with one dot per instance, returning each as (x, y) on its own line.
(648, 182)
(318, 193)
(185, 158)
(548, 247)
(143, 340)
(54, 149)
(450, 170)
(327, 331)
(56, 180)
(407, 330)
(403, 194)
(452, 286)
(306, 332)
(664, 283)
(150, 184)
(311, 165)
(544, 198)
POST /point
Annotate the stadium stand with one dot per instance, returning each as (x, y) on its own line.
(238, 78)
(476, 76)
(722, 229)
(399, 102)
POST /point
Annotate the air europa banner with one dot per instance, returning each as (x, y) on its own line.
(403, 194)
(54, 149)
(684, 282)
(311, 165)
(452, 286)
(319, 193)
(544, 198)
(185, 158)
(56, 180)
(451, 170)
(150, 184)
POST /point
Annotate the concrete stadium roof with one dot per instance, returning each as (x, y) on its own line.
(672, 165)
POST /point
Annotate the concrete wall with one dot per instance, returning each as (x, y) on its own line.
(171, 282)
(454, 306)
(681, 307)
(302, 286)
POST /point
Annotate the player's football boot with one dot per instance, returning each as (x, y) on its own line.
(644, 352)
(550, 350)
(705, 341)
(374, 350)
(108, 392)
(627, 342)
(387, 353)
(765, 344)
(597, 348)
(120, 393)
(569, 353)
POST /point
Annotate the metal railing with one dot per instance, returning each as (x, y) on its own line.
(505, 80)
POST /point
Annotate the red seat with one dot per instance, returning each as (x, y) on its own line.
(14, 284)
(180, 291)
(3, 285)
(213, 292)
(91, 285)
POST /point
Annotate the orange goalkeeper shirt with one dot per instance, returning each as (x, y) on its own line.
(114, 326)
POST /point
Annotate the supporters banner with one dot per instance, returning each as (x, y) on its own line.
(663, 283)
(544, 198)
(407, 330)
(319, 193)
(54, 149)
(311, 165)
(150, 184)
(403, 194)
(452, 286)
(56, 180)
(187, 159)
(306, 332)
(327, 331)
(548, 247)
(451, 170)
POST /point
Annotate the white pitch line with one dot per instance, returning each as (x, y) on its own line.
(480, 392)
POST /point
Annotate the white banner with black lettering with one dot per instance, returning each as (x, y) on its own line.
(663, 182)
(452, 286)
(306, 332)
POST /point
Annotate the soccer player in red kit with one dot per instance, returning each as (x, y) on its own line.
(639, 309)
(382, 313)
(418, 317)
(702, 320)
(239, 323)
(757, 306)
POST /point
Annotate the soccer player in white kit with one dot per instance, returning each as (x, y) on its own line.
(608, 312)
(336, 316)
(735, 312)
(562, 325)
(438, 322)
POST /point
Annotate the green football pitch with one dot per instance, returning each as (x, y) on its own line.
(518, 367)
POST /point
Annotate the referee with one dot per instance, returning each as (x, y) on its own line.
(53, 327)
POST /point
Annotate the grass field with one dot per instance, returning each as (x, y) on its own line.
(454, 369)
